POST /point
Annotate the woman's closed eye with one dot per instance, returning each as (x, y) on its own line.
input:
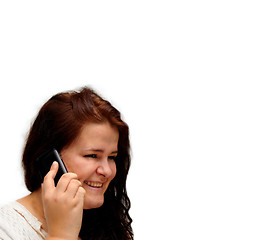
(91, 156)
(112, 158)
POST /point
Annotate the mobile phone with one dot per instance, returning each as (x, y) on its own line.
(44, 163)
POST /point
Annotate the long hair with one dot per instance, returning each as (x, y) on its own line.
(57, 125)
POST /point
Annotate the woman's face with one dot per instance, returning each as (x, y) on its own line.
(92, 157)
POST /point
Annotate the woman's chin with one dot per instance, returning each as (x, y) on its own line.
(93, 203)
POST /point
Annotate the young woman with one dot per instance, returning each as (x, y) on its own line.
(88, 202)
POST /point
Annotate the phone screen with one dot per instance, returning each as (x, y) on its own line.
(44, 163)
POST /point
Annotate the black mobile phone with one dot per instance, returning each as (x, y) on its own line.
(44, 163)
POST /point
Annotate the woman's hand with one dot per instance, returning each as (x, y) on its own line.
(63, 204)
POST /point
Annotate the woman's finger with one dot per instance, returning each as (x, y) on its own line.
(48, 181)
(80, 195)
(64, 181)
(73, 187)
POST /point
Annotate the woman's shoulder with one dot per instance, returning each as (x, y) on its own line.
(11, 215)
(9, 219)
(8, 212)
(16, 222)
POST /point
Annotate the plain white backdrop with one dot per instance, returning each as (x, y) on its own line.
(188, 78)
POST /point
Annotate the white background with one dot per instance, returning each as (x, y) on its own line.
(187, 76)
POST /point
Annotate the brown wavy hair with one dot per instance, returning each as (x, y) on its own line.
(57, 125)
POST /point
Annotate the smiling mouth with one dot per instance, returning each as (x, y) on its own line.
(93, 184)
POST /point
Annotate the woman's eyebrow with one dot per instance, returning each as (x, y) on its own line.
(95, 150)
(100, 150)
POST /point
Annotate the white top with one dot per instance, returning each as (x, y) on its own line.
(17, 223)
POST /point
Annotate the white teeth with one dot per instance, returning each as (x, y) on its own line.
(94, 184)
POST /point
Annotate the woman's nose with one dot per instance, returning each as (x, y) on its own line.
(104, 168)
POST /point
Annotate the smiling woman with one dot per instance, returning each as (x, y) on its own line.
(91, 158)
(90, 201)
